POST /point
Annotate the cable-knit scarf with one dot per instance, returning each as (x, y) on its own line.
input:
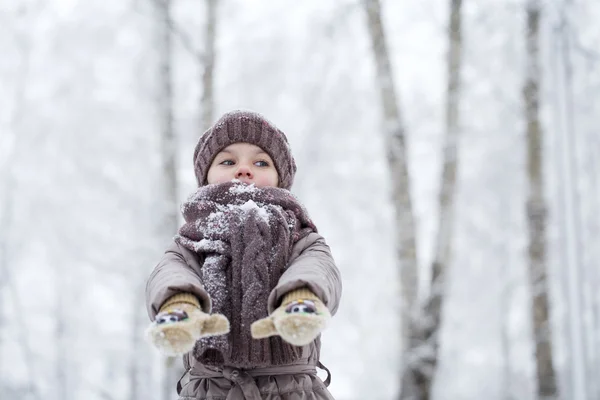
(245, 236)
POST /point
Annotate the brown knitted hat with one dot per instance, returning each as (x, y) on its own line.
(248, 127)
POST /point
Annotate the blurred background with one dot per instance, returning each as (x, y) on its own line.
(448, 150)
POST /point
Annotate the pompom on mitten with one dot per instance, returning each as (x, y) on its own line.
(299, 320)
(180, 323)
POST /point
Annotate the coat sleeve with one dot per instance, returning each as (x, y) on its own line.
(178, 271)
(312, 266)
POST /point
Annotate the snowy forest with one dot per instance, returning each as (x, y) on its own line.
(448, 151)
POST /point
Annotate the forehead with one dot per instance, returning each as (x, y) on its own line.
(243, 148)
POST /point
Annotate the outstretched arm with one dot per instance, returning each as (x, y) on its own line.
(307, 294)
(178, 304)
(178, 271)
(312, 267)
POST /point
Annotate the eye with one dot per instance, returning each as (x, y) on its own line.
(301, 307)
(261, 163)
(227, 162)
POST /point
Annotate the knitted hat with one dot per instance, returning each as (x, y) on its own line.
(248, 127)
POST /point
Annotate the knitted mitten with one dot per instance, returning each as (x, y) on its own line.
(180, 323)
(299, 320)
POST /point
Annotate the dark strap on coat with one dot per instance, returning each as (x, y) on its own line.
(328, 380)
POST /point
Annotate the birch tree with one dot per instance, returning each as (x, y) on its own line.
(574, 247)
(395, 140)
(169, 205)
(536, 211)
(584, 382)
(61, 335)
(578, 282)
(138, 364)
(14, 142)
(205, 59)
(425, 370)
(168, 224)
(421, 351)
(505, 296)
(207, 99)
(7, 192)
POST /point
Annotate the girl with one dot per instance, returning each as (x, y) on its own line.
(248, 284)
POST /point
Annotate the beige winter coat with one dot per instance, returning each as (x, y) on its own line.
(311, 265)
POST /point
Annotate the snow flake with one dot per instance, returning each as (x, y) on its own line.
(242, 188)
(206, 245)
(251, 205)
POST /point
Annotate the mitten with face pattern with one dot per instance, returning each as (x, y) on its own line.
(299, 320)
(180, 323)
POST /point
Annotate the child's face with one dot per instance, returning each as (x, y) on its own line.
(245, 162)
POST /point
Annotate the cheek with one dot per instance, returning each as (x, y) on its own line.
(217, 176)
(267, 179)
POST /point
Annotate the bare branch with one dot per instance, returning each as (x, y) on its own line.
(184, 38)
(186, 42)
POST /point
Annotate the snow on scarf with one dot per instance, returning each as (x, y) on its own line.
(245, 235)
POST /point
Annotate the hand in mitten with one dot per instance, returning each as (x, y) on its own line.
(181, 322)
(299, 320)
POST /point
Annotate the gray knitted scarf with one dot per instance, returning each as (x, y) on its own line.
(245, 236)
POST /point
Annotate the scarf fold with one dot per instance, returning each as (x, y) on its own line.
(245, 236)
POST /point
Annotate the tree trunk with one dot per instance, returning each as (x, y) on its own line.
(61, 336)
(396, 156)
(170, 209)
(505, 260)
(505, 296)
(8, 193)
(138, 375)
(207, 101)
(593, 169)
(536, 213)
(569, 211)
(584, 288)
(424, 369)
(169, 206)
(7, 190)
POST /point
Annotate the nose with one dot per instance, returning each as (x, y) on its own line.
(244, 172)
